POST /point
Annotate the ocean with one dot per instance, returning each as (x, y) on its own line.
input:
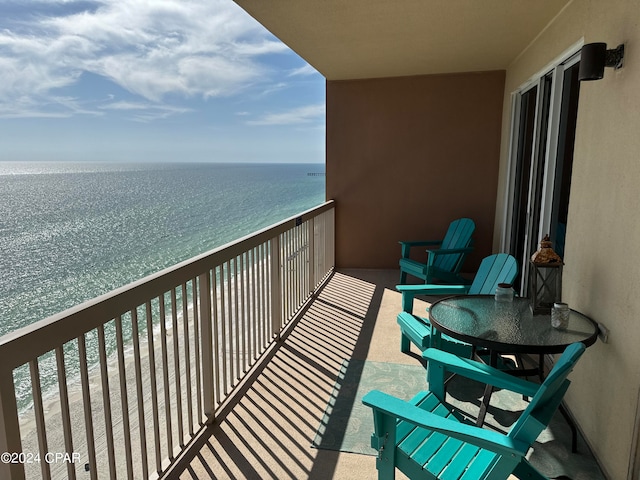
(72, 231)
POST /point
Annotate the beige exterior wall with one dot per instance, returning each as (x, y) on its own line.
(602, 272)
(406, 156)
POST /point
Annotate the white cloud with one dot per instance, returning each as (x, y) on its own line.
(301, 115)
(189, 48)
(125, 106)
(303, 71)
(144, 111)
(273, 88)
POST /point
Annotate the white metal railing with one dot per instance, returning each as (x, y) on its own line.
(117, 386)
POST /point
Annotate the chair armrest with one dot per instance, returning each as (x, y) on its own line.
(420, 243)
(442, 363)
(449, 251)
(410, 291)
(386, 404)
(406, 246)
(433, 289)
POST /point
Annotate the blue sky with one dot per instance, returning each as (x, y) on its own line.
(170, 80)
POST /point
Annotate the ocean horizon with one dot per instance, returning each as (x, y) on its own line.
(71, 231)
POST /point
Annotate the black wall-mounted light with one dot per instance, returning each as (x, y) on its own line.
(595, 57)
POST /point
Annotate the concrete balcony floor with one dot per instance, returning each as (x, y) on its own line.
(267, 433)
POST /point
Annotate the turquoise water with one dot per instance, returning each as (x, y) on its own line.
(72, 231)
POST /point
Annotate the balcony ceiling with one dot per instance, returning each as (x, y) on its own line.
(348, 39)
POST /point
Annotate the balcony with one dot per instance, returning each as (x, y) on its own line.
(220, 367)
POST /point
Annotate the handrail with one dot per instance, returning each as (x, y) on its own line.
(195, 330)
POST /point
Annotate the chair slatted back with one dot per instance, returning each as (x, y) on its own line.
(543, 405)
(494, 269)
(458, 236)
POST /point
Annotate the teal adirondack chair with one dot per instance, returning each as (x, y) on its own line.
(444, 258)
(426, 438)
(494, 269)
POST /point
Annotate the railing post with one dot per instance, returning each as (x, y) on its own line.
(9, 428)
(312, 254)
(275, 285)
(206, 347)
(330, 232)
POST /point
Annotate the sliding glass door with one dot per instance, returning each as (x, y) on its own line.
(543, 130)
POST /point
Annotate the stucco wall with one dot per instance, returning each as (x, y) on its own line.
(602, 272)
(406, 156)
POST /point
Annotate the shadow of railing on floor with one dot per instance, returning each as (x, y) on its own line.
(267, 431)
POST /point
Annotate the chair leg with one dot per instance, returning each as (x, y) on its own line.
(403, 277)
(524, 470)
(405, 343)
(385, 426)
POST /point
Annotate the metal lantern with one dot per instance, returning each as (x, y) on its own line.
(545, 278)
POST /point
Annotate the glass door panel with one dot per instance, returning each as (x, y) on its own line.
(542, 158)
(564, 159)
(526, 130)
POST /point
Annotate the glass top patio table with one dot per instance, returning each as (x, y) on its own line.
(508, 326)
